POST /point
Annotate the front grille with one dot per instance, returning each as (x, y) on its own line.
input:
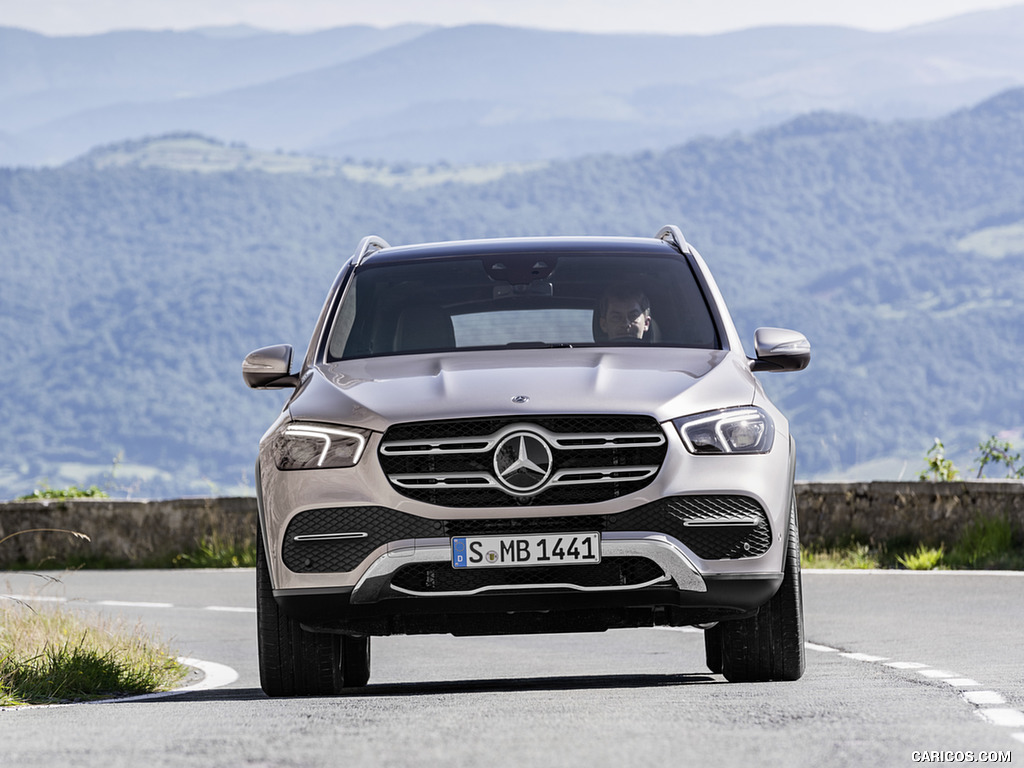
(589, 459)
(714, 527)
(610, 572)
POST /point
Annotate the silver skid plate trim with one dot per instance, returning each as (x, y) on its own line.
(375, 582)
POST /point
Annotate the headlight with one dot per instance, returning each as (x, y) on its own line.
(317, 446)
(734, 430)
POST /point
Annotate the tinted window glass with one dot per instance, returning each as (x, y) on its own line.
(520, 300)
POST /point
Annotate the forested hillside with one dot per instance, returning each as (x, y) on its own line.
(130, 294)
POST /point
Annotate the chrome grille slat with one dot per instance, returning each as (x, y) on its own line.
(485, 443)
(593, 458)
(736, 522)
(451, 479)
(605, 474)
(562, 477)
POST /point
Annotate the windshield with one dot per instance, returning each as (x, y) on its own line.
(520, 300)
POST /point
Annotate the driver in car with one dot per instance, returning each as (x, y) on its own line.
(624, 313)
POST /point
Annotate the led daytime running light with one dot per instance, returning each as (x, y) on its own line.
(736, 431)
(325, 433)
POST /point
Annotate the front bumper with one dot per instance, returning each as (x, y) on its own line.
(347, 553)
(553, 610)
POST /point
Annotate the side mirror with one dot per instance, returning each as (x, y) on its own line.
(270, 368)
(778, 349)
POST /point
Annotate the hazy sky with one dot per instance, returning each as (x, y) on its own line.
(71, 17)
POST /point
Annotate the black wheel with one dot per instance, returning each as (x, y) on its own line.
(355, 654)
(293, 662)
(713, 648)
(770, 645)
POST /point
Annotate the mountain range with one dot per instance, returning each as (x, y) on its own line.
(137, 277)
(481, 94)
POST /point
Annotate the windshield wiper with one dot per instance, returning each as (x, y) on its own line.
(538, 345)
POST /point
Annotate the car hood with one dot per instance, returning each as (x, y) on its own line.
(665, 383)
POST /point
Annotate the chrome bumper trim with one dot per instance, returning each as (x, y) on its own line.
(330, 536)
(375, 582)
(517, 587)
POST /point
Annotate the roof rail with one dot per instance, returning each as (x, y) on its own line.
(673, 235)
(369, 244)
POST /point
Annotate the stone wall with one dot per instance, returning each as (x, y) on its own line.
(138, 531)
(913, 512)
(120, 531)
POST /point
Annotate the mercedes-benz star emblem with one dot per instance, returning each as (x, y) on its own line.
(522, 462)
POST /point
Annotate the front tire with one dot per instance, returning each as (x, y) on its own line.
(770, 645)
(293, 662)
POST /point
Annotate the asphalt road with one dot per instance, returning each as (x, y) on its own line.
(902, 668)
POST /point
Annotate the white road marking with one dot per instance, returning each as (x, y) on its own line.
(229, 609)
(1008, 718)
(936, 673)
(144, 604)
(979, 698)
(673, 629)
(863, 657)
(214, 676)
(819, 648)
(987, 703)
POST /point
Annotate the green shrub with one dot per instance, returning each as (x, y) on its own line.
(995, 451)
(986, 543)
(990, 452)
(71, 492)
(923, 559)
(938, 467)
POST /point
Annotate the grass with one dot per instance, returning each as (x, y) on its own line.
(212, 552)
(857, 556)
(986, 544)
(56, 656)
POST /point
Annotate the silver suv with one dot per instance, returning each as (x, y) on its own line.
(525, 435)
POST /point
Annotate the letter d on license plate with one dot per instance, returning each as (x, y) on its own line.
(530, 549)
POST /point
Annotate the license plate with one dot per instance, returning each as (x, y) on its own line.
(529, 549)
